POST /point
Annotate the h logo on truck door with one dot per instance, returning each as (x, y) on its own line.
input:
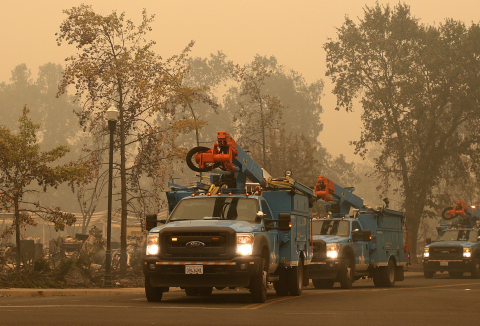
(195, 245)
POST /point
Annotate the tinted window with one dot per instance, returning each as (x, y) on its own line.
(459, 235)
(356, 226)
(330, 227)
(216, 208)
(266, 209)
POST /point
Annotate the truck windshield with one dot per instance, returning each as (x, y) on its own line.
(459, 235)
(216, 208)
(330, 227)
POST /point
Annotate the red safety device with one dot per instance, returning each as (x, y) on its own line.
(223, 152)
(458, 210)
(324, 188)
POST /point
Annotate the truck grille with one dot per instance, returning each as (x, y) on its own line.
(453, 252)
(197, 243)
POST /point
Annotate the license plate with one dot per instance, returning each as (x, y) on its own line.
(444, 263)
(193, 269)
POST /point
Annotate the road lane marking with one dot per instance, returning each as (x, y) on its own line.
(267, 303)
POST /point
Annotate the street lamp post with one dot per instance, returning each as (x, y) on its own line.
(112, 116)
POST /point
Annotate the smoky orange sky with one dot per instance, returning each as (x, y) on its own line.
(292, 31)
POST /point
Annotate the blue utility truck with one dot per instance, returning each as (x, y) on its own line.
(228, 235)
(457, 249)
(356, 241)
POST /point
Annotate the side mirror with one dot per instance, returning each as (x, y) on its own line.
(367, 235)
(284, 220)
(151, 221)
(259, 216)
(428, 241)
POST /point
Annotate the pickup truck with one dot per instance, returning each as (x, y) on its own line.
(457, 248)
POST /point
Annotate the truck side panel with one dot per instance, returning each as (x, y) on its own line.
(387, 234)
(298, 206)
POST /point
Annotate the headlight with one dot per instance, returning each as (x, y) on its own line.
(332, 250)
(153, 245)
(426, 253)
(245, 243)
(467, 252)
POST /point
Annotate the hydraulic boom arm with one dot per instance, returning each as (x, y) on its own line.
(327, 190)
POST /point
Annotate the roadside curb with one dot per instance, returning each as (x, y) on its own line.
(25, 292)
(17, 292)
(65, 292)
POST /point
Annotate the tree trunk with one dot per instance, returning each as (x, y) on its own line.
(17, 234)
(413, 212)
(123, 177)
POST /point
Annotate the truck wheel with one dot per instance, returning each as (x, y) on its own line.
(258, 284)
(323, 284)
(476, 268)
(455, 274)
(295, 279)
(428, 274)
(280, 286)
(388, 274)
(152, 293)
(205, 291)
(346, 275)
(191, 292)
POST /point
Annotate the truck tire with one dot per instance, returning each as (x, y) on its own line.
(388, 274)
(295, 279)
(428, 274)
(346, 274)
(258, 284)
(475, 268)
(205, 291)
(153, 294)
(280, 286)
(191, 291)
(323, 284)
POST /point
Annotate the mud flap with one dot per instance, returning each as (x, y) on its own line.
(399, 275)
(306, 278)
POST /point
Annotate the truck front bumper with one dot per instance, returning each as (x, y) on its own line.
(460, 265)
(327, 269)
(232, 273)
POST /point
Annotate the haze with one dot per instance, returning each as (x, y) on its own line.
(292, 31)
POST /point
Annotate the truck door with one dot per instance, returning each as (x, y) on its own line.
(360, 247)
(272, 239)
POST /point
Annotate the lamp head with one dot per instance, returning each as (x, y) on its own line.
(112, 113)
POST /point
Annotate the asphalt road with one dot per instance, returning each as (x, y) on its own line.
(415, 301)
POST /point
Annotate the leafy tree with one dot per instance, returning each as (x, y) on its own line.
(45, 107)
(117, 66)
(21, 163)
(89, 193)
(301, 109)
(269, 100)
(58, 123)
(341, 171)
(293, 153)
(256, 113)
(419, 89)
(206, 74)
